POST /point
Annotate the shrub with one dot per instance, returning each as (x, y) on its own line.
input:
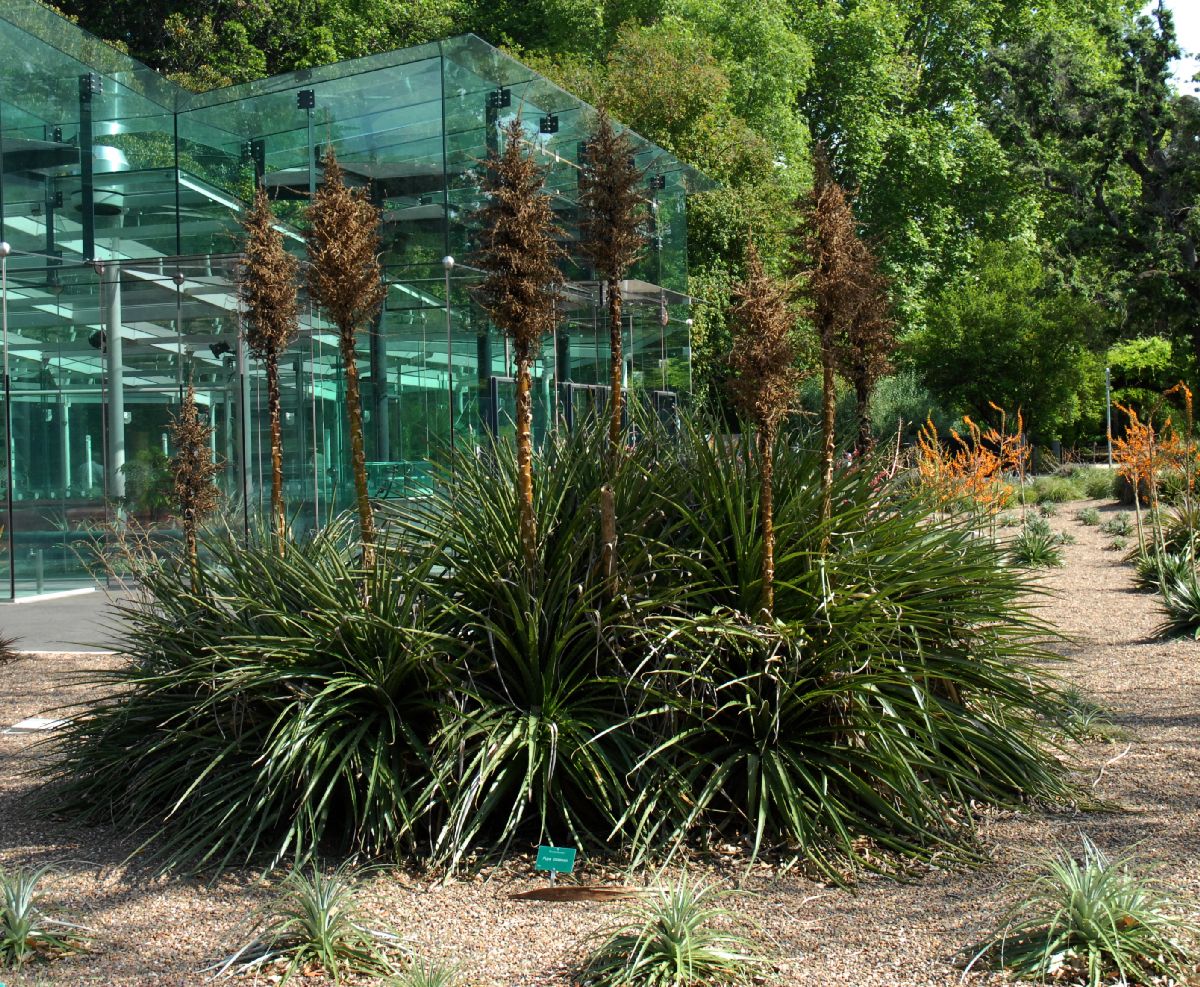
(451, 697)
(1035, 550)
(25, 930)
(1009, 519)
(1180, 527)
(1099, 484)
(1064, 538)
(1092, 919)
(313, 926)
(1038, 525)
(1118, 524)
(1047, 509)
(1089, 517)
(673, 938)
(1181, 600)
(268, 709)
(428, 973)
(1118, 544)
(1054, 489)
(1085, 719)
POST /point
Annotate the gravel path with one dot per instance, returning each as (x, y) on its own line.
(157, 931)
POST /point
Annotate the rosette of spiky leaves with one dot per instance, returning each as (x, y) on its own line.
(902, 677)
(315, 925)
(26, 931)
(270, 709)
(547, 731)
(1035, 549)
(1094, 919)
(1181, 600)
(675, 936)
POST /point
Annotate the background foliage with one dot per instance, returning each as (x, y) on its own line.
(975, 132)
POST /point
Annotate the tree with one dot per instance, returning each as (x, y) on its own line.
(1013, 336)
(825, 262)
(346, 280)
(193, 469)
(267, 285)
(519, 253)
(763, 386)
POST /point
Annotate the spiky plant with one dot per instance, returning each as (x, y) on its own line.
(610, 238)
(519, 255)
(267, 287)
(346, 280)
(25, 930)
(1095, 920)
(1036, 549)
(763, 385)
(315, 925)
(193, 470)
(674, 937)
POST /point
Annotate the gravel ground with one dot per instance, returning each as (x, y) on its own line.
(157, 931)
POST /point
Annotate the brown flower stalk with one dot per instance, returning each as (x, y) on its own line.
(346, 280)
(519, 253)
(837, 276)
(763, 385)
(610, 238)
(267, 285)
(193, 470)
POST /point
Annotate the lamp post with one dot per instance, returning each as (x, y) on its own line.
(448, 266)
(5, 250)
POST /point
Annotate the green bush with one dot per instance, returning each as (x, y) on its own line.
(673, 938)
(1153, 570)
(1035, 550)
(452, 698)
(1053, 490)
(1098, 484)
(1094, 920)
(1089, 517)
(1119, 525)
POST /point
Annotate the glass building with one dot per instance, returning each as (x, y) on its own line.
(120, 195)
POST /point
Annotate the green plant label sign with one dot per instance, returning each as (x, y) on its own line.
(556, 858)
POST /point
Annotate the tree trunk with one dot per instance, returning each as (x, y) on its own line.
(193, 552)
(866, 435)
(358, 458)
(524, 423)
(828, 422)
(278, 519)
(766, 475)
(615, 343)
(608, 538)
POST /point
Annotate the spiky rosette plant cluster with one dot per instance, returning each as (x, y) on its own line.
(453, 698)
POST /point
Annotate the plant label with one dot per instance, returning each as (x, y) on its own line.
(556, 859)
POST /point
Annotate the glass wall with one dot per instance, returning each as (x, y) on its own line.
(121, 195)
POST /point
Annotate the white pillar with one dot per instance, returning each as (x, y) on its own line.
(111, 279)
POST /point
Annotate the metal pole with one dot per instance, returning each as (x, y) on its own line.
(1108, 410)
(448, 266)
(5, 250)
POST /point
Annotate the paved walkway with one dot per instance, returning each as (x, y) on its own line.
(69, 623)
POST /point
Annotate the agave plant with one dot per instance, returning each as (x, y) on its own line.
(289, 699)
(25, 930)
(1035, 550)
(675, 937)
(1094, 919)
(1181, 599)
(315, 925)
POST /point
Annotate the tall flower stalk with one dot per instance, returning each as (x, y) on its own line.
(267, 286)
(346, 280)
(763, 386)
(193, 470)
(611, 237)
(519, 254)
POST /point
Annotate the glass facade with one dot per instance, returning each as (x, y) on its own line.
(120, 195)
